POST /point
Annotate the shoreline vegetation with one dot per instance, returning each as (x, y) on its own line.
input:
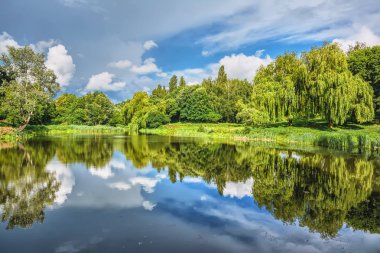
(346, 138)
(351, 137)
(10, 134)
(323, 97)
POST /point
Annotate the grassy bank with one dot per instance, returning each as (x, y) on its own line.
(317, 134)
(9, 134)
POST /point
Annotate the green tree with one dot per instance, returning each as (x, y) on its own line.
(222, 75)
(275, 88)
(329, 88)
(195, 105)
(365, 62)
(34, 85)
(159, 92)
(182, 82)
(68, 110)
(173, 83)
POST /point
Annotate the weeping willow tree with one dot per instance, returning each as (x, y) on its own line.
(330, 90)
(275, 88)
(319, 84)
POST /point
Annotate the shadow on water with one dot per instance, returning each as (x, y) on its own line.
(318, 190)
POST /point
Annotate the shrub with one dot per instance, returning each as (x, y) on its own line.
(155, 119)
(252, 117)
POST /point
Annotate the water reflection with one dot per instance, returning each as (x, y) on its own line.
(26, 188)
(320, 191)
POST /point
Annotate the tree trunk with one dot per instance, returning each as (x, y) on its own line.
(26, 122)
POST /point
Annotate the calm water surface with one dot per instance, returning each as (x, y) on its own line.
(154, 194)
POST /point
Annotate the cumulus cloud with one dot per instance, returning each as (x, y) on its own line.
(42, 45)
(66, 178)
(103, 82)
(149, 44)
(122, 64)
(238, 190)
(149, 66)
(242, 66)
(147, 183)
(103, 173)
(363, 35)
(61, 63)
(147, 205)
(121, 186)
(236, 66)
(6, 41)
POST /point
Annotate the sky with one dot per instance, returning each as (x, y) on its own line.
(123, 46)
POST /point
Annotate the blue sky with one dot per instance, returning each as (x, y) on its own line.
(120, 47)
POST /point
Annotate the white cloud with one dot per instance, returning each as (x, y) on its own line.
(121, 186)
(242, 66)
(238, 190)
(192, 180)
(292, 21)
(147, 183)
(66, 178)
(122, 64)
(104, 172)
(61, 63)
(7, 40)
(149, 66)
(236, 66)
(205, 53)
(148, 205)
(117, 164)
(149, 44)
(103, 81)
(42, 45)
(364, 35)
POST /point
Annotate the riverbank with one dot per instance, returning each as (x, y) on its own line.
(9, 134)
(317, 134)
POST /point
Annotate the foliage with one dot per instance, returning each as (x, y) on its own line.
(195, 105)
(92, 109)
(323, 83)
(31, 87)
(156, 118)
(365, 62)
(173, 83)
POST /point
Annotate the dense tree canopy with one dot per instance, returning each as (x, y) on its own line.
(27, 85)
(365, 62)
(323, 83)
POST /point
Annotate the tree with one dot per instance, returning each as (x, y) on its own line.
(222, 76)
(195, 105)
(35, 84)
(68, 110)
(139, 101)
(365, 62)
(329, 89)
(159, 92)
(156, 118)
(182, 82)
(98, 107)
(275, 88)
(173, 83)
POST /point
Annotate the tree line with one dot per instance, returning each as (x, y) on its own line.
(323, 83)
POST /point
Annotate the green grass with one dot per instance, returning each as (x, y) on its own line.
(347, 138)
(61, 129)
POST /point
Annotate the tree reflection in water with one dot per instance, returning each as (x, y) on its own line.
(321, 191)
